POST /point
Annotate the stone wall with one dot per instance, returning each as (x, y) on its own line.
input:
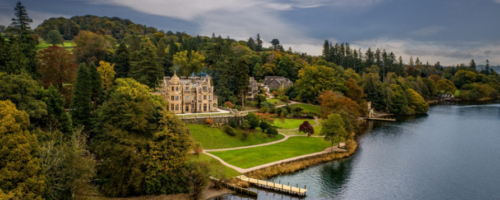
(215, 120)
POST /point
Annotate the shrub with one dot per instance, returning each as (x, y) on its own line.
(229, 130)
(253, 103)
(283, 98)
(272, 131)
(253, 120)
(245, 125)
(233, 123)
(275, 93)
(260, 98)
(264, 125)
(245, 135)
(208, 121)
(229, 104)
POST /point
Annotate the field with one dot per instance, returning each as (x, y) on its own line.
(215, 166)
(308, 108)
(215, 138)
(69, 45)
(291, 123)
(293, 147)
(317, 130)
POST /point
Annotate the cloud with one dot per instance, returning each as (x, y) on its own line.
(241, 19)
(498, 1)
(428, 31)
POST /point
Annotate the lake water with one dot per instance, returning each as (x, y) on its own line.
(451, 153)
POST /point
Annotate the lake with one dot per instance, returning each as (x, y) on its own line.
(451, 153)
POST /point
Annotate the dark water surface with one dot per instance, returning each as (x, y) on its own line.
(451, 153)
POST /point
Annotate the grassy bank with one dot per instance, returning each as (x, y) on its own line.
(293, 147)
(302, 164)
(215, 138)
(218, 170)
(276, 102)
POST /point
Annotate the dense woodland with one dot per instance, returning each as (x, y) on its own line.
(80, 121)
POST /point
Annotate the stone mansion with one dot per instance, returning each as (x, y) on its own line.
(188, 95)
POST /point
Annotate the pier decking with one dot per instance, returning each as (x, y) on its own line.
(274, 186)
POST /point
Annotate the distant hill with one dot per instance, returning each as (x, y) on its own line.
(115, 26)
(496, 68)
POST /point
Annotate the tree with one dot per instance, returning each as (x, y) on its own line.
(446, 86)
(54, 37)
(22, 22)
(354, 91)
(68, 166)
(258, 72)
(241, 77)
(463, 77)
(122, 61)
(316, 79)
(188, 65)
(472, 64)
(253, 120)
(251, 44)
(416, 102)
(333, 128)
(96, 86)
(275, 43)
(23, 91)
(146, 69)
(56, 67)
(82, 102)
(487, 67)
(306, 128)
(107, 74)
(57, 118)
(19, 163)
(144, 147)
(259, 43)
(90, 47)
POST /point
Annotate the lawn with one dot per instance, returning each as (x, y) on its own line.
(308, 108)
(215, 166)
(67, 44)
(291, 123)
(215, 138)
(293, 147)
(276, 102)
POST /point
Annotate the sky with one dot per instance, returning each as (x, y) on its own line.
(449, 31)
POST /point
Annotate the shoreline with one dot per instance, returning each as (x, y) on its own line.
(295, 165)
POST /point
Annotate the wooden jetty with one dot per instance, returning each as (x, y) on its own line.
(275, 186)
(382, 119)
(236, 188)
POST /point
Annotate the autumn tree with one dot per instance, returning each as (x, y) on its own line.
(56, 67)
(188, 65)
(23, 91)
(333, 128)
(90, 47)
(143, 154)
(54, 37)
(107, 72)
(306, 127)
(416, 102)
(446, 86)
(145, 69)
(19, 164)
